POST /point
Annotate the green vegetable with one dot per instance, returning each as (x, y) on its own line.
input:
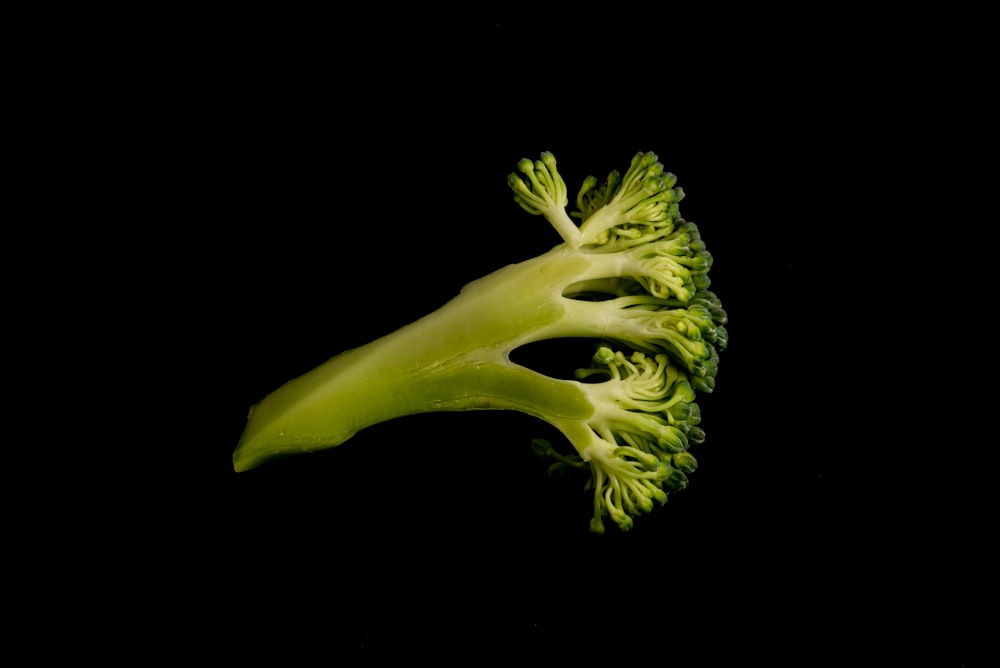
(633, 276)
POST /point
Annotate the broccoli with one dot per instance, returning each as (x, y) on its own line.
(632, 276)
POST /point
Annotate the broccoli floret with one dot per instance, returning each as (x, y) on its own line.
(633, 276)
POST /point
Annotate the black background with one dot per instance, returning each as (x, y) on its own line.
(274, 190)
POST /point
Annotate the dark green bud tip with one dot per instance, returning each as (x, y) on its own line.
(653, 184)
(684, 392)
(644, 503)
(526, 165)
(704, 384)
(542, 447)
(681, 411)
(721, 337)
(675, 480)
(702, 261)
(685, 461)
(673, 440)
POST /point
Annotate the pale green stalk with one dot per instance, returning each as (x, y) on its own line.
(454, 359)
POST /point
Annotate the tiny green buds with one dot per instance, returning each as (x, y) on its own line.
(547, 187)
(675, 480)
(704, 383)
(542, 447)
(680, 412)
(619, 517)
(604, 356)
(695, 435)
(673, 440)
(685, 461)
(544, 194)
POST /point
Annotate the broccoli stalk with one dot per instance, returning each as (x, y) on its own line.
(632, 276)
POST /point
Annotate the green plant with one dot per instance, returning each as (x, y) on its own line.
(632, 275)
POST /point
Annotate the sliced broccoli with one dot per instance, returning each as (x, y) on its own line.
(633, 276)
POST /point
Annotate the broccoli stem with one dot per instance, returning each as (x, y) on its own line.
(633, 276)
(454, 359)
